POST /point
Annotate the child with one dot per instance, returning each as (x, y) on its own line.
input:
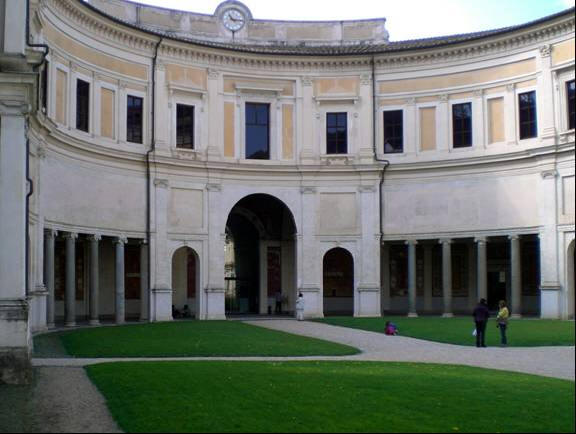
(390, 329)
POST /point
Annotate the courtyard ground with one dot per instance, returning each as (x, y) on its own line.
(64, 411)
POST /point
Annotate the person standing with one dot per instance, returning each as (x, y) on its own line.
(502, 320)
(300, 307)
(481, 315)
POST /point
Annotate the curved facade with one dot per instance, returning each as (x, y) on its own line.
(440, 170)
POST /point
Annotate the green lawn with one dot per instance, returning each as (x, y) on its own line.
(330, 397)
(183, 338)
(458, 330)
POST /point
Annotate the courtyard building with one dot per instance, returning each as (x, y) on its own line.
(152, 159)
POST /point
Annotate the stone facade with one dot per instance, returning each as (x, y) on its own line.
(123, 228)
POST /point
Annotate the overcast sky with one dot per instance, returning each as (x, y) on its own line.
(406, 19)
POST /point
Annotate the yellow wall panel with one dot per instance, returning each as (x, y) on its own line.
(107, 113)
(428, 128)
(563, 52)
(61, 95)
(287, 131)
(496, 120)
(229, 109)
(460, 79)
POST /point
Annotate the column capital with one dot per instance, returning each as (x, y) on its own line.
(480, 240)
(70, 235)
(50, 233)
(95, 237)
(120, 240)
(143, 242)
(514, 237)
(411, 242)
(445, 241)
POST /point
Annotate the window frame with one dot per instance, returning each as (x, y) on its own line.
(403, 136)
(86, 105)
(189, 146)
(568, 105)
(343, 115)
(269, 128)
(520, 92)
(453, 129)
(128, 95)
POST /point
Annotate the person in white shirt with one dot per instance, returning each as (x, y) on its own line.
(300, 307)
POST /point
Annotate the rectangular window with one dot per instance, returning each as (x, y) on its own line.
(257, 131)
(462, 125)
(393, 132)
(527, 111)
(134, 112)
(570, 94)
(185, 126)
(44, 88)
(337, 133)
(82, 105)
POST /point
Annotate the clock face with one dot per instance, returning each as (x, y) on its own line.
(233, 20)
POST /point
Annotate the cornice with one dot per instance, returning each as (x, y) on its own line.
(105, 29)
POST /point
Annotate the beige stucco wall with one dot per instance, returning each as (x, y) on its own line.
(427, 128)
(496, 120)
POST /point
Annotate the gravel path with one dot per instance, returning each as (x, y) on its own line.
(64, 400)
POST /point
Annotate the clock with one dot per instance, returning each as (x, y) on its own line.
(233, 19)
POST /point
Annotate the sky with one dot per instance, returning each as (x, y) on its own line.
(406, 19)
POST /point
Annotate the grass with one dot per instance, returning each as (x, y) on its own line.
(184, 339)
(458, 330)
(330, 397)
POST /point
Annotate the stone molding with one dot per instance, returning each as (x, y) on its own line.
(139, 40)
(308, 190)
(161, 183)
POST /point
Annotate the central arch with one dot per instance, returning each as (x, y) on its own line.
(260, 257)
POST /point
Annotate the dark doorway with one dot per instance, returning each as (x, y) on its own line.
(496, 288)
(260, 265)
(338, 272)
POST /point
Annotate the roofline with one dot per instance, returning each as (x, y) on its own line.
(462, 38)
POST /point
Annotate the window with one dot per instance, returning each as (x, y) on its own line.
(258, 131)
(393, 132)
(44, 88)
(527, 109)
(134, 118)
(336, 133)
(184, 126)
(462, 125)
(82, 105)
(570, 90)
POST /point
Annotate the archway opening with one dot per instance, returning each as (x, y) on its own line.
(338, 282)
(571, 265)
(260, 257)
(184, 283)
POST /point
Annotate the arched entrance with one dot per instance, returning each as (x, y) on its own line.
(338, 272)
(570, 281)
(184, 283)
(260, 257)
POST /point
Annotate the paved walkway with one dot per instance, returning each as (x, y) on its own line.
(64, 399)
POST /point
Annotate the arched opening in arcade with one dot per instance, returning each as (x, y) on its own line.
(260, 257)
(570, 280)
(185, 279)
(338, 282)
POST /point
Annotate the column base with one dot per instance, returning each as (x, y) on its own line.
(412, 315)
(447, 315)
(94, 322)
(70, 324)
(516, 316)
(51, 326)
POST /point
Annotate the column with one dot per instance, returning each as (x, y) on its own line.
(94, 241)
(428, 277)
(385, 300)
(545, 97)
(213, 301)
(70, 278)
(215, 116)
(144, 293)
(309, 259)
(412, 278)
(510, 104)
(119, 281)
(516, 276)
(481, 267)
(447, 276)
(307, 152)
(49, 236)
(442, 124)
